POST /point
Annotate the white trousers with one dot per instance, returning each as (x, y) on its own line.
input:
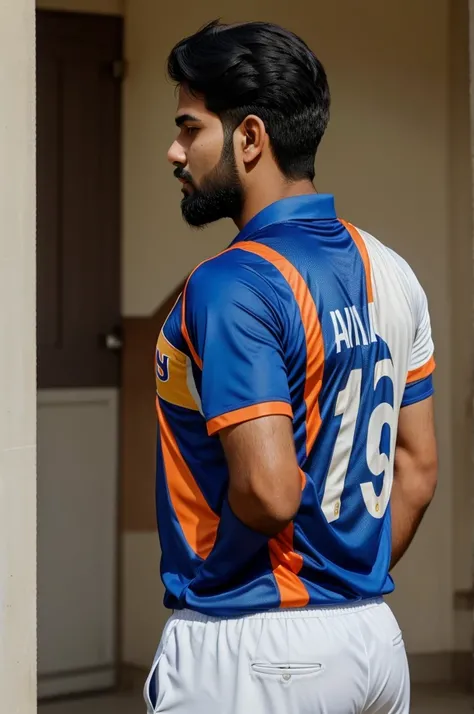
(348, 660)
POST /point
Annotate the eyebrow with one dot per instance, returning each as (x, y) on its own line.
(184, 118)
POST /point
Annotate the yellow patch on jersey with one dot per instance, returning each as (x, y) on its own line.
(174, 378)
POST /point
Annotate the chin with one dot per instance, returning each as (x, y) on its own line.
(195, 216)
(201, 208)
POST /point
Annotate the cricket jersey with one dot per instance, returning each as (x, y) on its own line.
(303, 315)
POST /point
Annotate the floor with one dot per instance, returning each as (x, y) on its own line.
(425, 701)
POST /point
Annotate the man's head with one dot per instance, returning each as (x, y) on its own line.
(253, 108)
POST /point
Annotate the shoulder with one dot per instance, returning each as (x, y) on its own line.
(392, 264)
(234, 274)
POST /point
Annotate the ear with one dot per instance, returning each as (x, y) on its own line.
(252, 138)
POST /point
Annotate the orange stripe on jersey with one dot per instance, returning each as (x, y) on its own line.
(238, 416)
(198, 521)
(421, 372)
(185, 333)
(286, 565)
(362, 248)
(312, 330)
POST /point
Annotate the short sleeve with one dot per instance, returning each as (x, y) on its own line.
(419, 384)
(233, 327)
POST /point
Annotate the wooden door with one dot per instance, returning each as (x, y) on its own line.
(78, 198)
(78, 133)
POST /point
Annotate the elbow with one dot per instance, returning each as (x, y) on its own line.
(272, 516)
(423, 483)
(416, 476)
(268, 512)
(430, 484)
(427, 480)
(279, 511)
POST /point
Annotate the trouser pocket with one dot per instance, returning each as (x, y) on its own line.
(397, 640)
(286, 671)
(149, 690)
(151, 693)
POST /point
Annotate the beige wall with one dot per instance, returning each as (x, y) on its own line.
(108, 7)
(462, 290)
(17, 359)
(387, 158)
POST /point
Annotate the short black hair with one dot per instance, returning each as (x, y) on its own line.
(259, 68)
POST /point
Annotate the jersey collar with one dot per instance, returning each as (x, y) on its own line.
(314, 206)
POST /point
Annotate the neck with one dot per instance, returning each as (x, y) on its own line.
(259, 199)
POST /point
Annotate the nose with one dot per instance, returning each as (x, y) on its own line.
(176, 154)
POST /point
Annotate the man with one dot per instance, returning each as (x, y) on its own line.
(296, 448)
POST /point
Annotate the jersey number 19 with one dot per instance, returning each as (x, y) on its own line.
(348, 404)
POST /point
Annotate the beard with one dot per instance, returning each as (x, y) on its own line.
(220, 194)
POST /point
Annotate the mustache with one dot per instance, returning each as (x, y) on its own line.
(182, 174)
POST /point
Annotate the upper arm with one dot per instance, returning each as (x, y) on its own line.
(416, 452)
(419, 383)
(235, 325)
(232, 323)
(262, 463)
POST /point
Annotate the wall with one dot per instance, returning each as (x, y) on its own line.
(107, 7)
(17, 359)
(386, 157)
(462, 290)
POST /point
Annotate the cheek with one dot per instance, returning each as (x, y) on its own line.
(203, 155)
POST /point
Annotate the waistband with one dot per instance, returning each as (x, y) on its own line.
(318, 611)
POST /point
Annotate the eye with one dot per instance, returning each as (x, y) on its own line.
(191, 130)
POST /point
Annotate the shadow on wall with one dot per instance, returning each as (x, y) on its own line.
(138, 418)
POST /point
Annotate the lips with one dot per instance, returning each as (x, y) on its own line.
(182, 176)
(186, 187)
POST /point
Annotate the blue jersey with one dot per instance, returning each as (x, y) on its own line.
(308, 317)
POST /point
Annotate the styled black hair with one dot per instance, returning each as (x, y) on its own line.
(262, 69)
